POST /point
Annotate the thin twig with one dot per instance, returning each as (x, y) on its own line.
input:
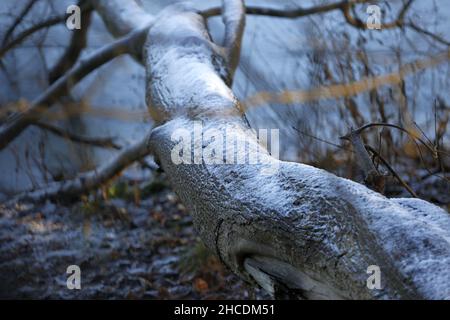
(428, 33)
(18, 20)
(322, 140)
(386, 164)
(41, 25)
(97, 142)
(382, 124)
(26, 33)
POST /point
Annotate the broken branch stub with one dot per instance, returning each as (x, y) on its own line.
(372, 178)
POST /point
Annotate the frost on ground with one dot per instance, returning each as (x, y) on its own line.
(127, 248)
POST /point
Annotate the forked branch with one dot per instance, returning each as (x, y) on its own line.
(19, 121)
(20, 37)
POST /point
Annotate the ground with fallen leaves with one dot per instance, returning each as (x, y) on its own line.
(131, 241)
(128, 245)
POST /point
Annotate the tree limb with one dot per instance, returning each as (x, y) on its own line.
(233, 15)
(130, 43)
(70, 189)
(71, 54)
(122, 17)
(392, 171)
(357, 23)
(19, 121)
(428, 33)
(285, 13)
(26, 33)
(18, 20)
(96, 142)
(300, 227)
(372, 178)
(85, 7)
(390, 125)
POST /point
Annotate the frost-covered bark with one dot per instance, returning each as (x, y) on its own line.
(234, 20)
(122, 17)
(281, 224)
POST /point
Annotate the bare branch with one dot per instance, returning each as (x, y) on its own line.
(18, 20)
(21, 120)
(321, 140)
(428, 33)
(409, 133)
(88, 181)
(41, 25)
(96, 142)
(372, 178)
(391, 170)
(233, 15)
(26, 33)
(344, 6)
(77, 44)
(285, 13)
(356, 22)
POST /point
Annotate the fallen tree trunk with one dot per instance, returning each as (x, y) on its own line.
(287, 226)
